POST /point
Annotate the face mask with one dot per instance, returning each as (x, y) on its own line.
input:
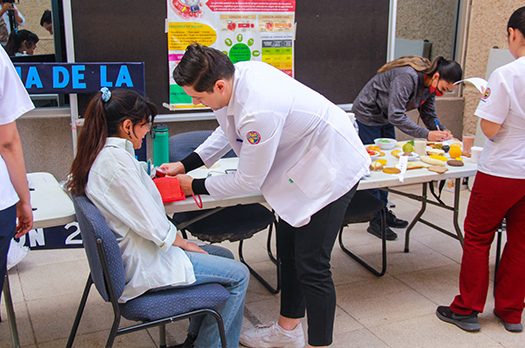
(435, 90)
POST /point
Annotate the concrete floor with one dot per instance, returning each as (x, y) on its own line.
(396, 310)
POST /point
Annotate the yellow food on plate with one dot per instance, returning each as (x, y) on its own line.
(396, 153)
(454, 152)
(400, 143)
(381, 154)
(374, 148)
(415, 165)
(456, 145)
(441, 158)
(381, 160)
(391, 170)
(432, 161)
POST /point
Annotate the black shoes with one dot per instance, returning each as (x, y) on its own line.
(375, 229)
(466, 322)
(510, 327)
(393, 221)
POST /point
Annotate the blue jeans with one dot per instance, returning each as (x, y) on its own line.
(219, 267)
(367, 135)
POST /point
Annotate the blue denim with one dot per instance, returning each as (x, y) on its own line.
(367, 134)
(219, 267)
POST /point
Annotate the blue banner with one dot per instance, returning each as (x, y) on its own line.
(65, 78)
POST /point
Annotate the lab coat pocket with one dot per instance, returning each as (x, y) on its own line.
(313, 174)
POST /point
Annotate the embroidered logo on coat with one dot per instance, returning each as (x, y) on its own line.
(253, 137)
(487, 93)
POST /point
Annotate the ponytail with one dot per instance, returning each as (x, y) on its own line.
(448, 70)
(102, 120)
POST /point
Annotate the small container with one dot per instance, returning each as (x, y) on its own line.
(385, 143)
(420, 146)
(160, 172)
(161, 147)
(475, 153)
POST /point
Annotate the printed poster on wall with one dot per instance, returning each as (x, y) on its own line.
(260, 30)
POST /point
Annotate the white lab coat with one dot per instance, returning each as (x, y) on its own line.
(293, 144)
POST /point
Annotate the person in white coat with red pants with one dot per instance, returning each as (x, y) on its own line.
(304, 155)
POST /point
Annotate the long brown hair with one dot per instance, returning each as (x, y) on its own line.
(448, 70)
(103, 119)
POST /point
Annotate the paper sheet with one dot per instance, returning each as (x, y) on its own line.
(402, 166)
(478, 82)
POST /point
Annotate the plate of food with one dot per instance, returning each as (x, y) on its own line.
(412, 156)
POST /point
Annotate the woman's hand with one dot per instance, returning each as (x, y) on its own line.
(439, 135)
(192, 247)
(174, 169)
(185, 182)
(25, 219)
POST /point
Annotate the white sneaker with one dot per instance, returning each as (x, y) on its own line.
(273, 336)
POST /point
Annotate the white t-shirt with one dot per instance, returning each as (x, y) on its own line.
(504, 103)
(14, 102)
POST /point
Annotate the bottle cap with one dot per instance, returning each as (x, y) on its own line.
(160, 172)
(160, 127)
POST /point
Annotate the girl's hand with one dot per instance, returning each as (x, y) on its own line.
(192, 247)
(438, 135)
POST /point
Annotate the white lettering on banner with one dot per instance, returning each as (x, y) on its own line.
(36, 237)
(70, 239)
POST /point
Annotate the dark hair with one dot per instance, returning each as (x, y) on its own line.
(103, 119)
(448, 70)
(517, 20)
(46, 18)
(201, 67)
(17, 37)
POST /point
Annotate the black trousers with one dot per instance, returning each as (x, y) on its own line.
(306, 279)
(7, 232)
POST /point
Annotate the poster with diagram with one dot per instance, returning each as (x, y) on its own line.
(261, 30)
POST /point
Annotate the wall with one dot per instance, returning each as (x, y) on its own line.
(431, 20)
(488, 25)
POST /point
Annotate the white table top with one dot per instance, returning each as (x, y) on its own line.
(377, 179)
(53, 205)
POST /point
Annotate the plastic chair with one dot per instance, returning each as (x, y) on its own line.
(363, 208)
(154, 308)
(231, 223)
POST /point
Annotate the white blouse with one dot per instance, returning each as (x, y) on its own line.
(504, 103)
(132, 206)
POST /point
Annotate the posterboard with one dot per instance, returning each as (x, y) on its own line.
(260, 30)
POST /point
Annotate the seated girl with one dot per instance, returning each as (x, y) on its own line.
(154, 254)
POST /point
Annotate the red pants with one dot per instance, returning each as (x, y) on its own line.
(492, 199)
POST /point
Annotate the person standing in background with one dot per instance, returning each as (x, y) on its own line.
(14, 192)
(10, 18)
(399, 86)
(498, 193)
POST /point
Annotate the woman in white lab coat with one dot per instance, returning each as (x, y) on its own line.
(304, 155)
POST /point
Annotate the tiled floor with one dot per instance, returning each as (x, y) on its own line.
(396, 310)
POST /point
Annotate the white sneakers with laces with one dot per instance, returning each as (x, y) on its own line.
(273, 336)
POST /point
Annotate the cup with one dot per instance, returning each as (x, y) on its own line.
(420, 146)
(468, 142)
(475, 153)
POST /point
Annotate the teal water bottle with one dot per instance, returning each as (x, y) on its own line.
(161, 149)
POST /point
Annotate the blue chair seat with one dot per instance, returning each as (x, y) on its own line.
(158, 304)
